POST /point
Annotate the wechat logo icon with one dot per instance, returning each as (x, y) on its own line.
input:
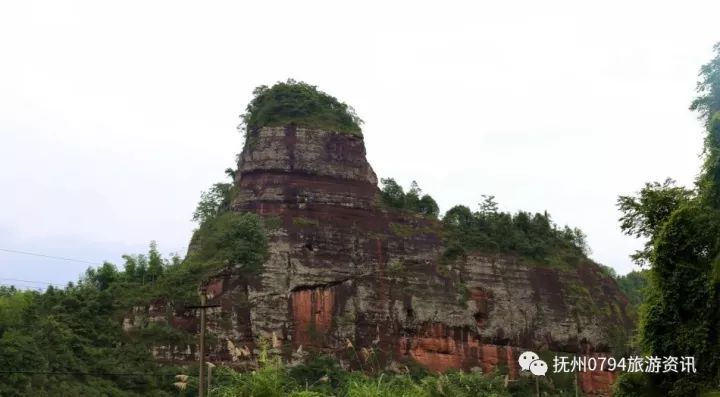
(530, 361)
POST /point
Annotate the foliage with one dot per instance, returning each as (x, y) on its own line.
(231, 239)
(321, 376)
(69, 342)
(213, 202)
(633, 286)
(634, 384)
(708, 183)
(323, 372)
(681, 313)
(299, 103)
(531, 236)
(394, 196)
(302, 221)
(269, 380)
(707, 102)
(644, 214)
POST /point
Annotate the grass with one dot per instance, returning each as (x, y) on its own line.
(301, 221)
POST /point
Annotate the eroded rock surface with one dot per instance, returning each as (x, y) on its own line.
(342, 268)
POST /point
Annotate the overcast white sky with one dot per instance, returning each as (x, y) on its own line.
(115, 115)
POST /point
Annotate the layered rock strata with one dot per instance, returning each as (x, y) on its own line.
(342, 269)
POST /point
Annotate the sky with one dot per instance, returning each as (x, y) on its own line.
(114, 116)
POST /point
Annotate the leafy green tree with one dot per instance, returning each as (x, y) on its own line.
(213, 202)
(230, 240)
(633, 285)
(530, 235)
(394, 196)
(460, 217)
(707, 103)
(155, 262)
(488, 205)
(681, 314)
(412, 197)
(644, 214)
(428, 206)
(103, 276)
(69, 342)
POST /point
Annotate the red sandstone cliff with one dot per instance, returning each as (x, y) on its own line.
(343, 268)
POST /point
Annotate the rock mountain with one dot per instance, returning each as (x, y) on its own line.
(344, 269)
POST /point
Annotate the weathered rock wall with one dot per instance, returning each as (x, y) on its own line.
(342, 268)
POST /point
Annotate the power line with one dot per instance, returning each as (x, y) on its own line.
(48, 256)
(23, 287)
(31, 282)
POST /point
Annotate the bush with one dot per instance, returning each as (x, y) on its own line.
(299, 103)
(231, 239)
(321, 372)
(528, 235)
(394, 196)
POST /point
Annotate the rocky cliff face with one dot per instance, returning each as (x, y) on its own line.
(342, 268)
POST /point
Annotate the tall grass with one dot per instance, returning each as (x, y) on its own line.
(322, 376)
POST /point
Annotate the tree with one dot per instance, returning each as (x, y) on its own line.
(392, 193)
(231, 173)
(530, 235)
(212, 202)
(155, 262)
(394, 196)
(633, 285)
(428, 206)
(232, 240)
(645, 213)
(707, 103)
(681, 315)
(103, 276)
(488, 205)
(412, 197)
(459, 217)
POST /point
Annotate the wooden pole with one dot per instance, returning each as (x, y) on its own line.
(209, 382)
(202, 387)
(576, 385)
(202, 384)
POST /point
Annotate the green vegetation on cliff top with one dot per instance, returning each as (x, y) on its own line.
(488, 230)
(301, 104)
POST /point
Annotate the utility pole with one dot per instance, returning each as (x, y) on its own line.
(203, 297)
(577, 392)
(209, 382)
(202, 307)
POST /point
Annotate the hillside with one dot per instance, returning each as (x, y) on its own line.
(343, 265)
(303, 250)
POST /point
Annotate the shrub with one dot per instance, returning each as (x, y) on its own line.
(299, 103)
(394, 196)
(528, 235)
